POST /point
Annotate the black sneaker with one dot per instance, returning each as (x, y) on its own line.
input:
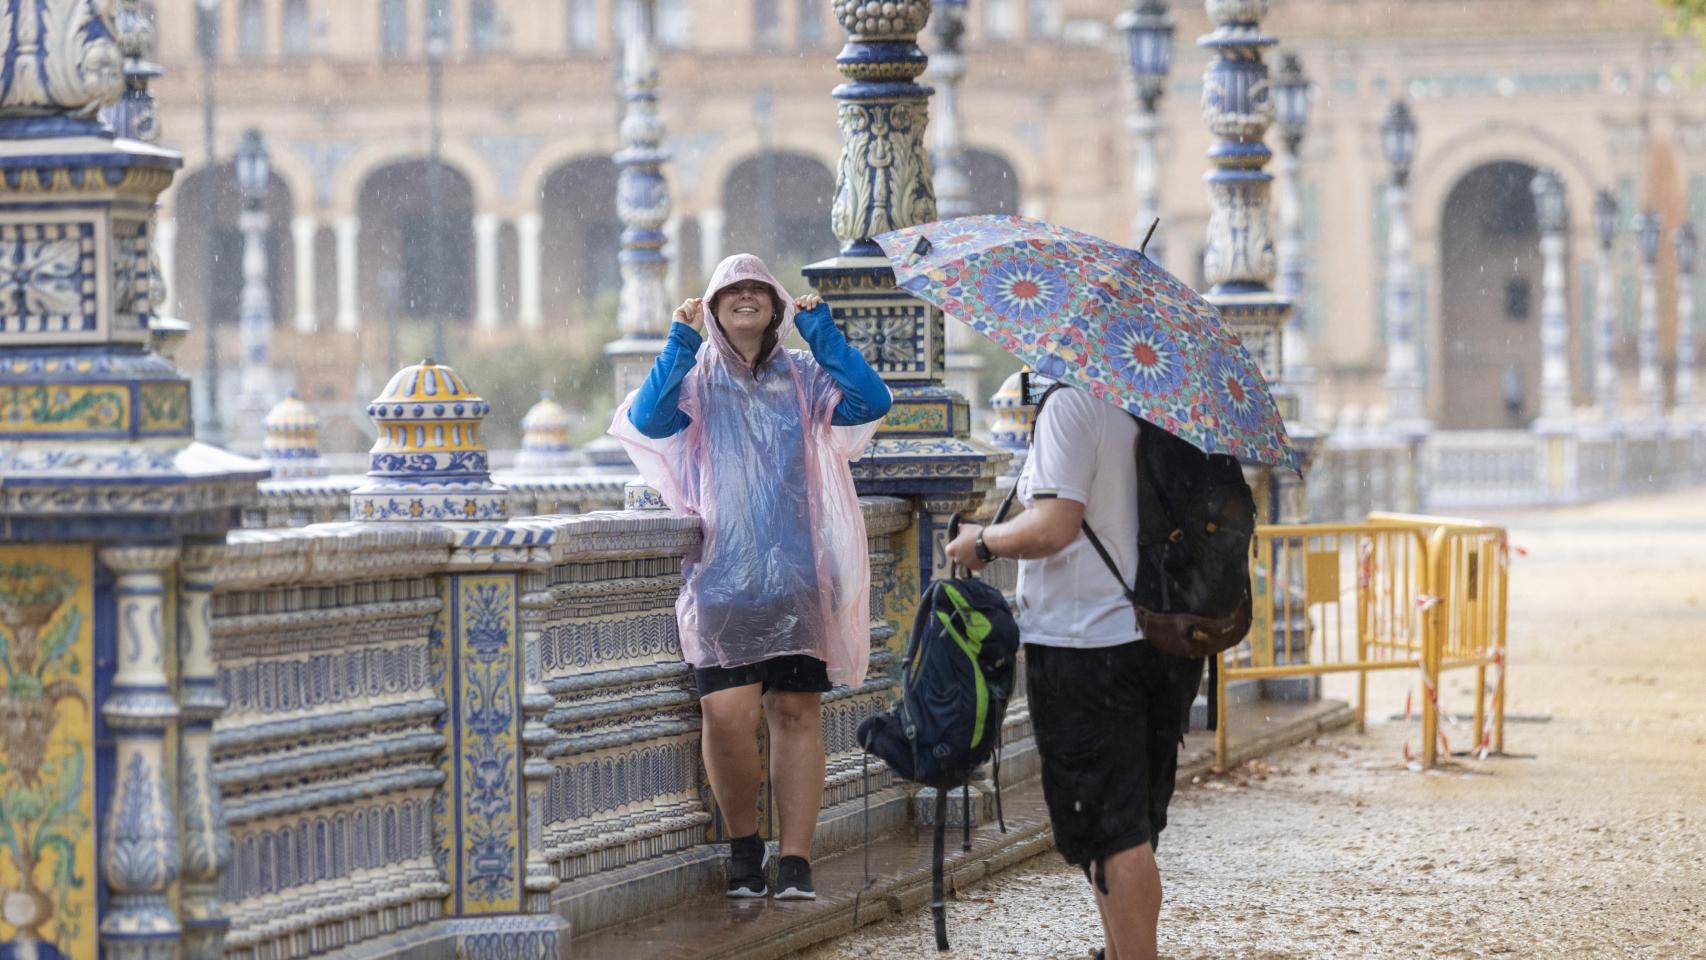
(794, 879)
(747, 857)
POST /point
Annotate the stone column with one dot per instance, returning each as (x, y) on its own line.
(1606, 383)
(303, 231)
(206, 847)
(486, 271)
(1649, 230)
(349, 241)
(711, 238)
(1685, 404)
(166, 250)
(953, 184)
(254, 311)
(1551, 212)
(642, 201)
(1405, 402)
(527, 230)
(536, 735)
(1293, 89)
(882, 183)
(139, 849)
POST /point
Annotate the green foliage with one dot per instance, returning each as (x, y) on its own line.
(511, 369)
(1686, 17)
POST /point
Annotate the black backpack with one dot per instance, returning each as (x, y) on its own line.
(1196, 517)
(957, 675)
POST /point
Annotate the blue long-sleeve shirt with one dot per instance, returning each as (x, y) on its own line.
(864, 397)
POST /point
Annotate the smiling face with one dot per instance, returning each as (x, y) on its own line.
(745, 309)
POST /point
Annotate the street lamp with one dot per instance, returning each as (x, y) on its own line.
(254, 316)
(1687, 250)
(1149, 57)
(1649, 232)
(1550, 211)
(207, 47)
(1291, 90)
(948, 68)
(1605, 388)
(1398, 141)
(437, 47)
(1403, 356)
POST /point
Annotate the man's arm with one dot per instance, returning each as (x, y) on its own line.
(1041, 531)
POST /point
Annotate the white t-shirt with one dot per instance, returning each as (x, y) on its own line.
(1083, 450)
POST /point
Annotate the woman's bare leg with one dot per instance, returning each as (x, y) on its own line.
(729, 741)
(796, 765)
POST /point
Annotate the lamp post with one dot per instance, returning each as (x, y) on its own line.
(437, 46)
(207, 46)
(948, 67)
(1649, 231)
(1403, 367)
(1149, 57)
(1605, 380)
(1552, 214)
(254, 324)
(1687, 250)
(1292, 93)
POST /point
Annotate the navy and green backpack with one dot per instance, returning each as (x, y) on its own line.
(957, 675)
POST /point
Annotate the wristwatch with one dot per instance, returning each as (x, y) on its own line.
(984, 554)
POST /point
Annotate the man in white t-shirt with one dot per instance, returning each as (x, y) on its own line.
(1108, 709)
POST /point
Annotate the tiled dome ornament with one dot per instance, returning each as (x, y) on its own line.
(429, 462)
(545, 439)
(292, 446)
(1010, 428)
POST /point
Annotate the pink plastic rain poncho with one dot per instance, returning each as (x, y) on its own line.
(783, 567)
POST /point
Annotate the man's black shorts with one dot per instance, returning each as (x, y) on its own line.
(1108, 722)
(794, 672)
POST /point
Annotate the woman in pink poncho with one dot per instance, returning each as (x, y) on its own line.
(755, 439)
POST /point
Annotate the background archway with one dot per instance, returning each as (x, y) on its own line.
(776, 205)
(416, 261)
(580, 239)
(207, 284)
(1490, 300)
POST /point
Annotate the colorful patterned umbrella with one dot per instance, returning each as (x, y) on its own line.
(1104, 317)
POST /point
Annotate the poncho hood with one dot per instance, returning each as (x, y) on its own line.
(733, 270)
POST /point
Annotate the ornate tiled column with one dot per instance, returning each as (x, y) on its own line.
(206, 841)
(883, 183)
(1649, 231)
(102, 481)
(139, 848)
(953, 182)
(1685, 405)
(1552, 213)
(642, 201)
(1148, 30)
(1240, 265)
(1606, 384)
(1405, 391)
(254, 312)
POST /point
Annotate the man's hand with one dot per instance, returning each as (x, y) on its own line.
(808, 302)
(963, 549)
(691, 312)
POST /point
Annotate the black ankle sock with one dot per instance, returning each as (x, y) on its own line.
(748, 843)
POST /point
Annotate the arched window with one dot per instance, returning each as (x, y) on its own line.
(297, 32)
(394, 27)
(483, 30)
(252, 29)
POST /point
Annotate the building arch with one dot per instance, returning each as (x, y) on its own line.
(353, 174)
(776, 204)
(417, 257)
(820, 144)
(580, 238)
(530, 182)
(207, 248)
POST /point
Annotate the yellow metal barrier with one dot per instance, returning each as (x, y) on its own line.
(1470, 566)
(1330, 598)
(1399, 591)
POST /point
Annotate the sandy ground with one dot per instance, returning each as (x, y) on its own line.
(1587, 840)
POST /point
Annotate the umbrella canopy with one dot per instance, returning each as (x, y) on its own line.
(1101, 316)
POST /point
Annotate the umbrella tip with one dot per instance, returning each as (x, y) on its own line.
(922, 247)
(1143, 247)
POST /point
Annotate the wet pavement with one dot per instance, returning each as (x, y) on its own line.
(1587, 841)
(711, 927)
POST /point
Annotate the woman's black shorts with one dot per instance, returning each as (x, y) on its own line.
(794, 672)
(1108, 722)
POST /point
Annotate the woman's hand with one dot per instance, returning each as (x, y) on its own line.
(810, 301)
(691, 312)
